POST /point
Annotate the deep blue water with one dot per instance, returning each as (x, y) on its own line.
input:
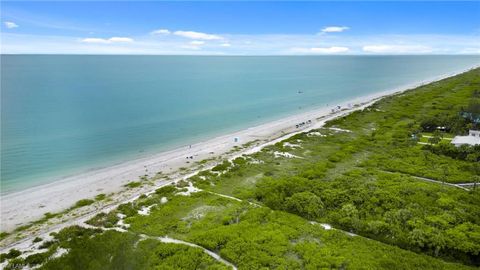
(62, 115)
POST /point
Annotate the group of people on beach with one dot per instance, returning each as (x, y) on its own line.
(336, 109)
(303, 123)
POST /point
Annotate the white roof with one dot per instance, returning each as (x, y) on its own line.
(471, 140)
(472, 132)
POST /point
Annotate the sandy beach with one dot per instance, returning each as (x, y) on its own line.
(22, 207)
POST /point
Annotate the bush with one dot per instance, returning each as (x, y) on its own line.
(127, 209)
(15, 264)
(37, 258)
(239, 161)
(37, 239)
(3, 235)
(13, 253)
(83, 202)
(166, 190)
(133, 184)
(464, 152)
(100, 197)
(47, 244)
(49, 215)
(104, 220)
(305, 204)
(222, 166)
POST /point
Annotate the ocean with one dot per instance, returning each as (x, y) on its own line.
(65, 114)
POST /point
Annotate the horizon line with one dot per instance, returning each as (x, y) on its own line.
(143, 54)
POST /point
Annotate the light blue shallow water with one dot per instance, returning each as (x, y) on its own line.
(63, 115)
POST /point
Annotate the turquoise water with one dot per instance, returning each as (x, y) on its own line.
(62, 115)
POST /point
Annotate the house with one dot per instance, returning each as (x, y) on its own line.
(473, 138)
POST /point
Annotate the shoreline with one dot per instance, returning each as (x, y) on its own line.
(20, 207)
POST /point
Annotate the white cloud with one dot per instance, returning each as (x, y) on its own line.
(107, 41)
(160, 32)
(120, 39)
(396, 49)
(197, 42)
(11, 25)
(334, 29)
(325, 50)
(197, 35)
(244, 44)
(94, 40)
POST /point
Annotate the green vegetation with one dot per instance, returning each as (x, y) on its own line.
(248, 236)
(364, 181)
(91, 249)
(104, 220)
(37, 239)
(100, 197)
(365, 174)
(391, 208)
(133, 184)
(222, 166)
(13, 253)
(464, 152)
(81, 203)
(49, 215)
(3, 235)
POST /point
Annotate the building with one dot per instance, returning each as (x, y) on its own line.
(473, 138)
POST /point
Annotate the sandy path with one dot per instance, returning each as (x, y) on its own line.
(214, 255)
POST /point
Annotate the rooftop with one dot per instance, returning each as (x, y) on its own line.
(473, 138)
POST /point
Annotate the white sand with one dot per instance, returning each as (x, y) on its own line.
(291, 145)
(284, 154)
(163, 200)
(190, 189)
(326, 226)
(145, 211)
(28, 205)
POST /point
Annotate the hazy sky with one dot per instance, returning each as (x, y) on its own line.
(252, 28)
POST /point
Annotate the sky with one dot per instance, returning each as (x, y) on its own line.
(240, 28)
